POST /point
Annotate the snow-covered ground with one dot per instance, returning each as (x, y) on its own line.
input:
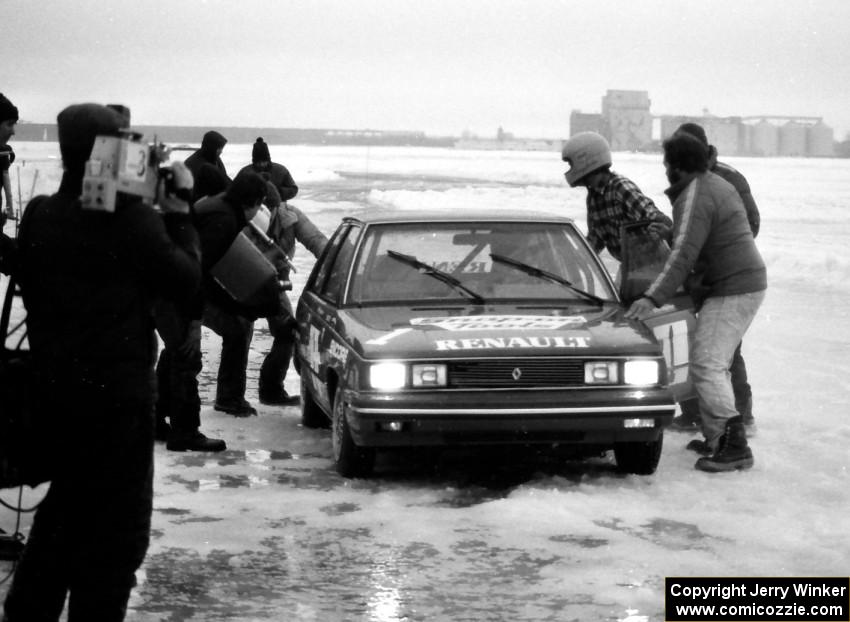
(268, 531)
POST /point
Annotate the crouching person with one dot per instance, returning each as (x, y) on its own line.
(711, 232)
(89, 279)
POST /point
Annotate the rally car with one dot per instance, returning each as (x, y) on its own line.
(454, 329)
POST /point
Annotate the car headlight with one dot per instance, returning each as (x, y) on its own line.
(600, 372)
(394, 376)
(428, 375)
(388, 376)
(640, 372)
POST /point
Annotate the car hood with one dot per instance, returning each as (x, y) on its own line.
(494, 331)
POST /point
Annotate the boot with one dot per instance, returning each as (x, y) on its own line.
(240, 408)
(193, 441)
(162, 430)
(703, 448)
(278, 397)
(732, 453)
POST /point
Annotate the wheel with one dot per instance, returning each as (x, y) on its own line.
(311, 415)
(639, 458)
(350, 460)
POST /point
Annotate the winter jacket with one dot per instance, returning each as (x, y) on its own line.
(289, 224)
(710, 228)
(89, 281)
(279, 176)
(740, 183)
(207, 154)
(617, 202)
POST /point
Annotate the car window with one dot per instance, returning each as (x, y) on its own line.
(463, 250)
(334, 285)
(327, 274)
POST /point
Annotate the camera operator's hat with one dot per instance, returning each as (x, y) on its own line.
(8, 111)
(80, 124)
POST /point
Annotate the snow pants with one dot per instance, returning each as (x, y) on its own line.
(91, 532)
(721, 324)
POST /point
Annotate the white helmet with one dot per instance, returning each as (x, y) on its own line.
(585, 152)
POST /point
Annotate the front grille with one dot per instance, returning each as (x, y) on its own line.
(516, 373)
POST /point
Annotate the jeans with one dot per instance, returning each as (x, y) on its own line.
(236, 333)
(721, 324)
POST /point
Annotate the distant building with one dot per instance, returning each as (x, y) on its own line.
(626, 122)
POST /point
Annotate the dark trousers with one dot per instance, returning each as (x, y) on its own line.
(276, 363)
(236, 333)
(91, 532)
(740, 383)
(177, 372)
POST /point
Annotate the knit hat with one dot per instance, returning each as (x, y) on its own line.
(78, 126)
(694, 130)
(8, 112)
(260, 153)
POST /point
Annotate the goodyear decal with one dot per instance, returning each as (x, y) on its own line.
(500, 322)
(509, 343)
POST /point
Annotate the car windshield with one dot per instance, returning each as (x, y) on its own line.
(464, 251)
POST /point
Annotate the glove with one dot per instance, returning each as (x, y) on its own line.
(174, 188)
(191, 345)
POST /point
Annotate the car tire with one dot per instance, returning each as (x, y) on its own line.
(639, 458)
(350, 459)
(311, 415)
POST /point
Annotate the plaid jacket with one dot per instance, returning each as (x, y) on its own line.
(618, 202)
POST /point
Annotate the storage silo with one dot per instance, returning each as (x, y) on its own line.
(765, 139)
(821, 140)
(792, 139)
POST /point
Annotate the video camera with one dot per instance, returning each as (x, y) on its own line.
(123, 164)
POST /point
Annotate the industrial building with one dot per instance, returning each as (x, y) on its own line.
(627, 123)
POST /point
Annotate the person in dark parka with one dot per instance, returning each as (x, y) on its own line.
(212, 145)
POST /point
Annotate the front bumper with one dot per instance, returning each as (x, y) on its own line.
(442, 418)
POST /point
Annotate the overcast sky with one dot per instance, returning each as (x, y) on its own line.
(439, 66)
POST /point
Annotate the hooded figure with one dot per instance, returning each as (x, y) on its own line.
(210, 153)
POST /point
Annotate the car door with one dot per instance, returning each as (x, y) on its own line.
(319, 323)
(643, 257)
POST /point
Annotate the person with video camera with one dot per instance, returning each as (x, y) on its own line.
(89, 278)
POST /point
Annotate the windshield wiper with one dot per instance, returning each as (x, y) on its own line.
(446, 278)
(544, 274)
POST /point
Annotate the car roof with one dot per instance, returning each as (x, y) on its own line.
(445, 215)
